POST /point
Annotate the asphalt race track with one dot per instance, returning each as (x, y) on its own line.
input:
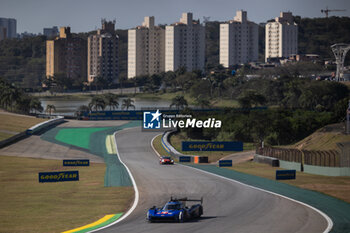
(228, 206)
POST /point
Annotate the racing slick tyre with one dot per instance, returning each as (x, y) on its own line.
(148, 218)
(181, 217)
(200, 211)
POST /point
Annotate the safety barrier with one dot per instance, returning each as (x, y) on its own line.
(41, 126)
(30, 131)
(330, 158)
(267, 160)
(200, 159)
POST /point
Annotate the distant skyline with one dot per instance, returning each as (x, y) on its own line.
(85, 15)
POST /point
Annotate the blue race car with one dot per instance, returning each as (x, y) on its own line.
(176, 210)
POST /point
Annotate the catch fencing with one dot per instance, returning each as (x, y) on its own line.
(330, 158)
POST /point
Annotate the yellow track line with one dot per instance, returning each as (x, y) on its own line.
(104, 219)
(110, 145)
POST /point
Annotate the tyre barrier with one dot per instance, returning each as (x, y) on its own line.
(267, 160)
(201, 159)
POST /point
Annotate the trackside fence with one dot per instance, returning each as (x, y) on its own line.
(330, 158)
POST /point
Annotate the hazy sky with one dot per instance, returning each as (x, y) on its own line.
(85, 15)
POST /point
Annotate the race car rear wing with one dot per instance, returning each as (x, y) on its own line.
(186, 199)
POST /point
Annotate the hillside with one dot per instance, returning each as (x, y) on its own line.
(325, 138)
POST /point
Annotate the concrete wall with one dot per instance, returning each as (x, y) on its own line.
(317, 170)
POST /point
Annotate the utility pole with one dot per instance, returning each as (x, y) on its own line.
(340, 51)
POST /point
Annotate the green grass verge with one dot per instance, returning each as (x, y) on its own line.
(218, 103)
(157, 143)
(4, 136)
(29, 206)
(213, 156)
(17, 123)
(325, 138)
(338, 187)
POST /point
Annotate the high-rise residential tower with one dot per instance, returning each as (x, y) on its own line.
(66, 54)
(146, 49)
(238, 41)
(8, 28)
(185, 44)
(281, 37)
(103, 53)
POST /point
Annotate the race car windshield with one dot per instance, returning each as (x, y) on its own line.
(172, 207)
(166, 157)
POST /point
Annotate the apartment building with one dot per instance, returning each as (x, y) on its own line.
(281, 37)
(8, 28)
(50, 32)
(103, 53)
(185, 44)
(66, 54)
(146, 49)
(238, 41)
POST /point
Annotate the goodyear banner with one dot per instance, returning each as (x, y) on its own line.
(225, 163)
(285, 174)
(58, 176)
(211, 146)
(76, 162)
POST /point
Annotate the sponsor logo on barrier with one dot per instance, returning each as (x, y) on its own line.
(211, 146)
(225, 163)
(58, 176)
(76, 162)
(285, 174)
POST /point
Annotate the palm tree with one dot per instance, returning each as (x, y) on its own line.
(9, 96)
(179, 102)
(128, 103)
(35, 105)
(50, 108)
(98, 102)
(111, 100)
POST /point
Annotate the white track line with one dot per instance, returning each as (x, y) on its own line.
(328, 219)
(137, 196)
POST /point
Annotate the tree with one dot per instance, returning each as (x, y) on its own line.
(50, 108)
(179, 102)
(202, 101)
(128, 103)
(111, 100)
(250, 98)
(97, 102)
(35, 105)
(9, 96)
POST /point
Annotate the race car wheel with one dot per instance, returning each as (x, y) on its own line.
(148, 218)
(200, 211)
(181, 217)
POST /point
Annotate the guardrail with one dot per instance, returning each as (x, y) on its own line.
(32, 130)
(39, 127)
(173, 152)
